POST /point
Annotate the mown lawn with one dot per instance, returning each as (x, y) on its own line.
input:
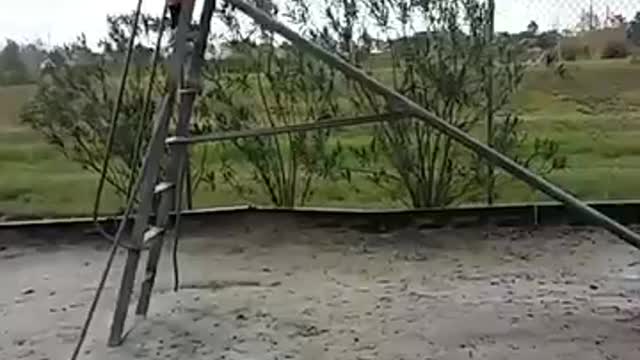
(594, 116)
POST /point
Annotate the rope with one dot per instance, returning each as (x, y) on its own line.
(139, 132)
(132, 190)
(105, 275)
(147, 103)
(176, 227)
(183, 154)
(116, 241)
(116, 110)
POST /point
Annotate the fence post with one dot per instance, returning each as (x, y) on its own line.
(489, 36)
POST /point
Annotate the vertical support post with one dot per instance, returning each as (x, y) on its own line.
(490, 30)
(182, 158)
(178, 155)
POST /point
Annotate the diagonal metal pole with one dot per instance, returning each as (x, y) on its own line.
(491, 180)
(432, 119)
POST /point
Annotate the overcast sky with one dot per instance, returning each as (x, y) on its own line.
(57, 21)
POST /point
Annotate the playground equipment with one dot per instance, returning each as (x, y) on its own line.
(147, 236)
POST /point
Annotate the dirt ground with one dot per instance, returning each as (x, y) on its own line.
(289, 291)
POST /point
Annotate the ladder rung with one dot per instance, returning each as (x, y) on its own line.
(175, 140)
(152, 234)
(163, 186)
(188, 90)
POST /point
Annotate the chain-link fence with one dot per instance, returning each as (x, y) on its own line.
(564, 15)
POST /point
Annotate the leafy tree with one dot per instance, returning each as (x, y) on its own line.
(57, 56)
(614, 49)
(633, 31)
(13, 71)
(119, 33)
(32, 55)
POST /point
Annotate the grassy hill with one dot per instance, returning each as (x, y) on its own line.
(594, 115)
(35, 177)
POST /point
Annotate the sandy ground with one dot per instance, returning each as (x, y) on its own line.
(285, 291)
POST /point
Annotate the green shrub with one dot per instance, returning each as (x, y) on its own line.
(570, 53)
(615, 50)
(573, 52)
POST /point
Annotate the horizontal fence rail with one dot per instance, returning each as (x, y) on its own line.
(321, 124)
(394, 97)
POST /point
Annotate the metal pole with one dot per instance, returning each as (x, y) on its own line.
(490, 93)
(489, 84)
(116, 111)
(430, 118)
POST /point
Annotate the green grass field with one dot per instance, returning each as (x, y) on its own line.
(594, 116)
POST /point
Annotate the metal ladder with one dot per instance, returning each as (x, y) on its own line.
(149, 235)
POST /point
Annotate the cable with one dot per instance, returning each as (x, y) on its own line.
(139, 132)
(176, 226)
(116, 242)
(116, 109)
(148, 95)
(168, 101)
(105, 275)
(182, 152)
